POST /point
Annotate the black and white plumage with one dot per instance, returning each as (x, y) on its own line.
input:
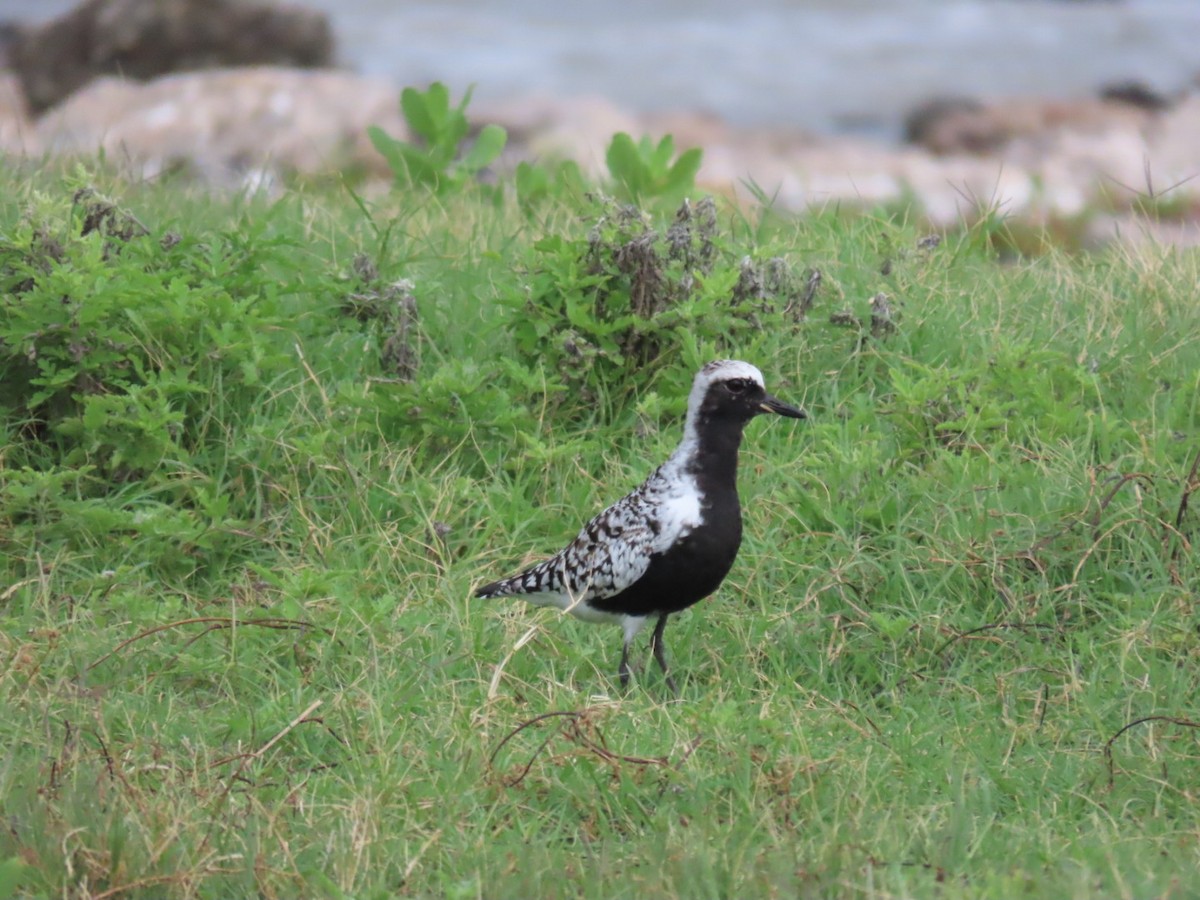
(671, 542)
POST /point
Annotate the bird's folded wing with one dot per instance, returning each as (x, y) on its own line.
(605, 559)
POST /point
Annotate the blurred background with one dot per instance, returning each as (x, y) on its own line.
(1077, 110)
(830, 66)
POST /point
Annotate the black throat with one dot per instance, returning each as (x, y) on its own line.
(715, 462)
(694, 566)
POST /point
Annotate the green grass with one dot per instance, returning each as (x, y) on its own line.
(238, 658)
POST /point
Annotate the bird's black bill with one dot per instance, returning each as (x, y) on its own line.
(770, 404)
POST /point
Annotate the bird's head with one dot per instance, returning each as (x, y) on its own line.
(732, 389)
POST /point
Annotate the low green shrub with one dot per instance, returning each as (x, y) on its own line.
(629, 296)
(132, 367)
(439, 161)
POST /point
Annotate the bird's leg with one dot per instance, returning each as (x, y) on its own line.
(656, 644)
(623, 669)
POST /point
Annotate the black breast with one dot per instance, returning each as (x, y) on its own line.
(695, 565)
(690, 570)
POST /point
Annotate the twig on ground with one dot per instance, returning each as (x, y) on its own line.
(1190, 484)
(992, 626)
(215, 623)
(245, 761)
(1108, 745)
(574, 729)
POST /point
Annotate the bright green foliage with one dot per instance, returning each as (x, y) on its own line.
(122, 359)
(438, 161)
(629, 293)
(645, 171)
(536, 183)
(135, 372)
(256, 455)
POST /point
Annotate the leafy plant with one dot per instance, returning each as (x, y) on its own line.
(644, 170)
(129, 370)
(538, 182)
(438, 161)
(630, 296)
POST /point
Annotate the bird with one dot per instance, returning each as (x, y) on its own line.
(671, 541)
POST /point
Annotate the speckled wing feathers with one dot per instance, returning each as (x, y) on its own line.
(614, 549)
(611, 552)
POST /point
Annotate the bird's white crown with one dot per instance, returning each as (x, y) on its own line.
(721, 370)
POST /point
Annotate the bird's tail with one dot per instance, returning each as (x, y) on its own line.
(542, 578)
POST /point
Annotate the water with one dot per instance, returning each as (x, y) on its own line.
(820, 65)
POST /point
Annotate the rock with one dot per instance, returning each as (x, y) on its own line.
(10, 33)
(954, 125)
(1174, 155)
(923, 123)
(17, 132)
(238, 127)
(1024, 157)
(1136, 93)
(578, 128)
(141, 39)
(228, 125)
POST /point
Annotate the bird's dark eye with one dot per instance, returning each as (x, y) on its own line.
(737, 385)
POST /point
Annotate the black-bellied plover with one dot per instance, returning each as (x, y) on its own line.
(671, 542)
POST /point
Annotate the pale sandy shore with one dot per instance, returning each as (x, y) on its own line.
(247, 127)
